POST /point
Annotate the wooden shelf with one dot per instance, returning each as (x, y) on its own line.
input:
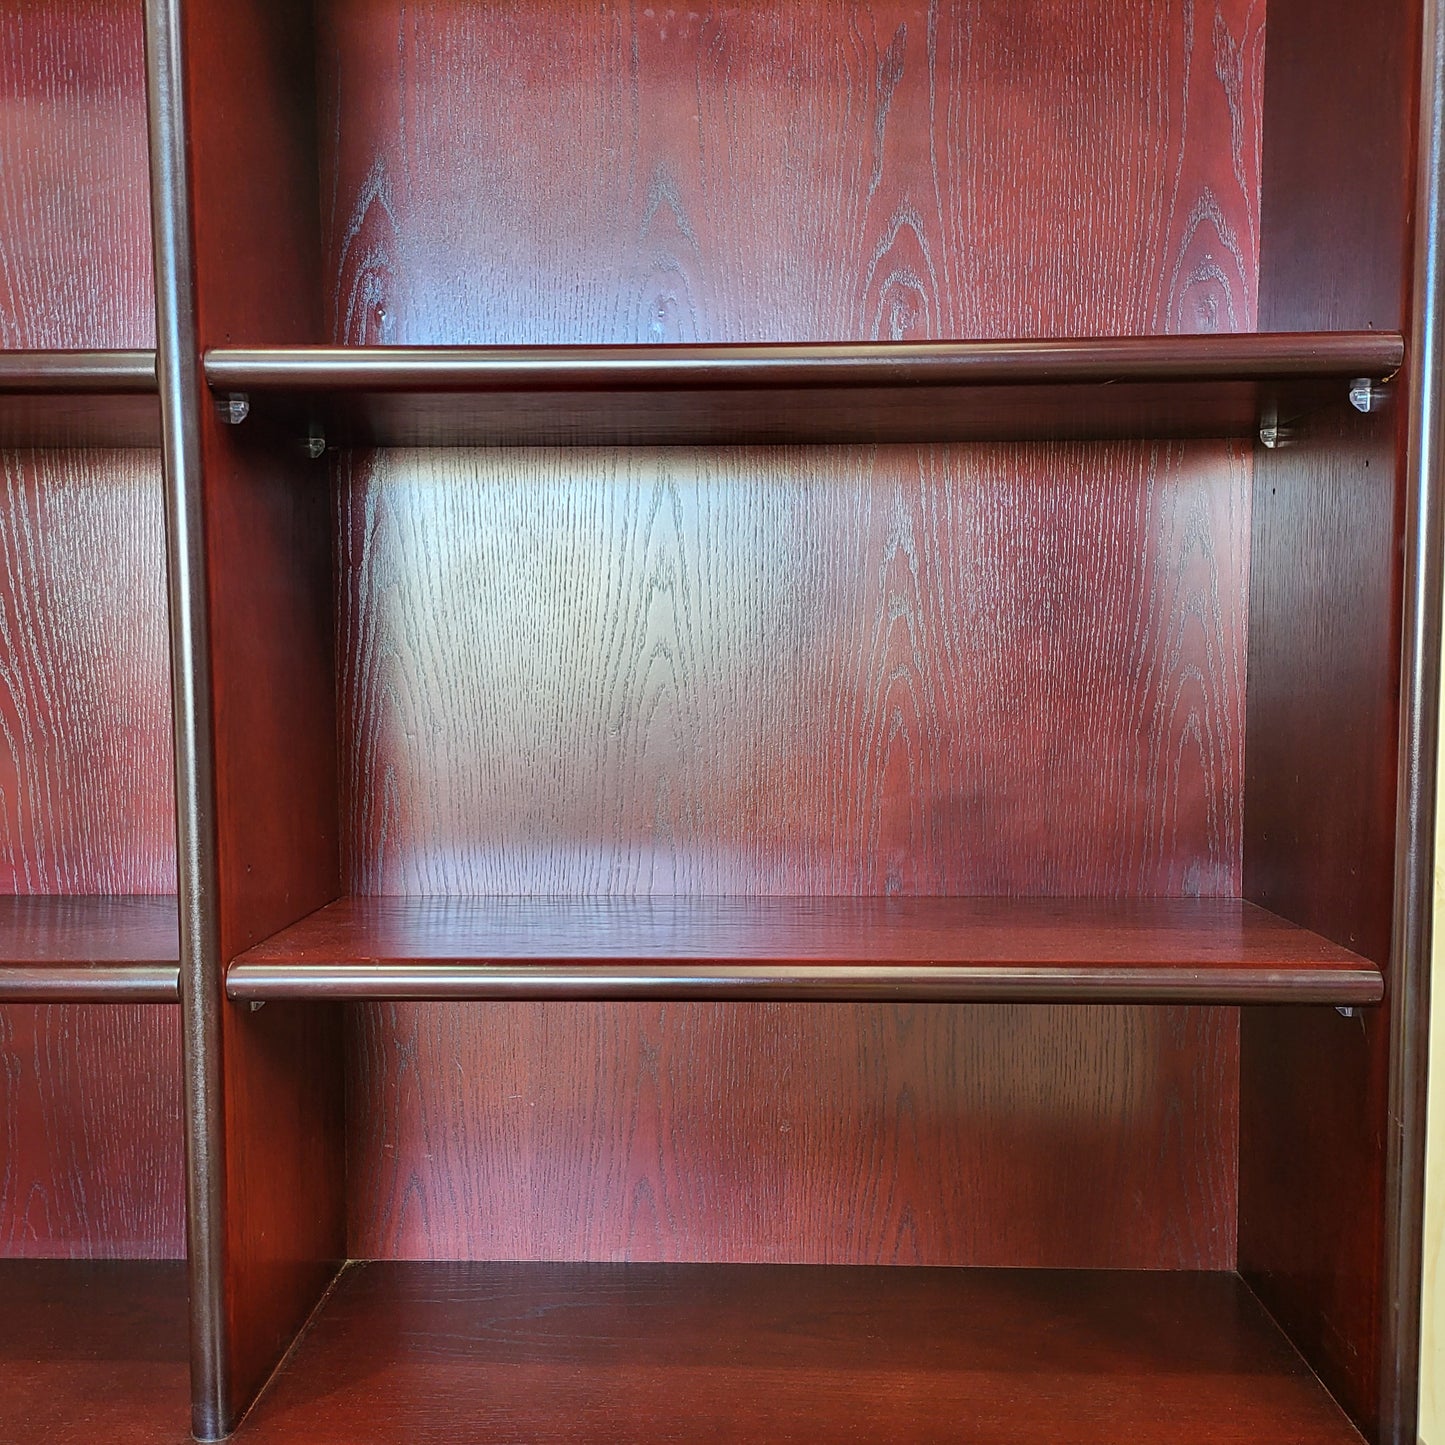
(1217, 385)
(980, 949)
(88, 949)
(403, 1352)
(79, 398)
(94, 1351)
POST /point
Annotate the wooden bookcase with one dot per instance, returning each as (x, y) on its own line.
(794, 796)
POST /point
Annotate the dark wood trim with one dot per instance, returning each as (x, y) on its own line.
(1323, 722)
(1182, 359)
(236, 220)
(845, 950)
(89, 373)
(1129, 387)
(202, 995)
(832, 983)
(139, 982)
(82, 949)
(1411, 946)
(91, 983)
(78, 398)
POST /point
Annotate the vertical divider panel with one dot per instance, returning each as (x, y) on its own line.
(1329, 1124)
(237, 260)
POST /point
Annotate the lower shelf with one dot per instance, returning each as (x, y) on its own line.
(433, 1353)
(93, 1351)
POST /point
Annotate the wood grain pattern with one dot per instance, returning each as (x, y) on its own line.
(1320, 788)
(1324, 667)
(645, 645)
(90, 1110)
(790, 672)
(262, 814)
(75, 259)
(85, 740)
(577, 1354)
(74, 949)
(93, 1352)
(90, 1098)
(842, 949)
(787, 171)
(91, 1137)
(69, 421)
(818, 1133)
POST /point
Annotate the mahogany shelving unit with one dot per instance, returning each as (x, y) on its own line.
(793, 797)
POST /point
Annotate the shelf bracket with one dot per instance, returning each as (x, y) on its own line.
(1365, 395)
(234, 407)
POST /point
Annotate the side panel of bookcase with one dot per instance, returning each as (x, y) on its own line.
(1321, 1238)
(236, 230)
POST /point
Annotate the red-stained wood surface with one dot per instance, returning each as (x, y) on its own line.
(91, 1140)
(701, 626)
(546, 172)
(78, 948)
(960, 671)
(270, 1231)
(93, 1145)
(92, 1352)
(1320, 809)
(821, 1133)
(1324, 684)
(866, 672)
(85, 800)
(72, 419)
(596, 1353)
(91, 1135)
(75, 256)
(85, 742)
(1182, 950)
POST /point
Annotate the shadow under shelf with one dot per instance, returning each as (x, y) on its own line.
(1217, 386)
(79, 399)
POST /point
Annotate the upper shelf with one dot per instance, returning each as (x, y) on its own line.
(89, 950)
(1176, 386)
(79, 398)
(948, 949)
